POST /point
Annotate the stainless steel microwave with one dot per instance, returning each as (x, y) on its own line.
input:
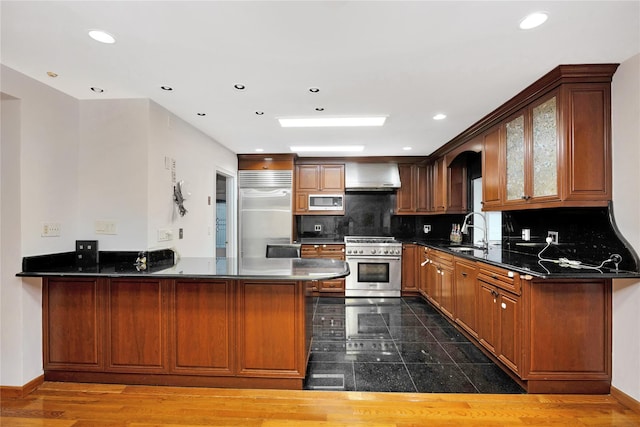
(326, 202)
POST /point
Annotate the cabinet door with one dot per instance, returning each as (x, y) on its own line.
(439, 183)
(410, 264)
(136, 326)
(72, 324)
(492, 169)
(202, 325)
(465, 296)
(424, 271)
(422, 190)
(587, 170)
(447, 297)
(405, 194)
(307, 178)
(302, 202)
(544, 146)
(270, 323)
(487, 317)
(515, 159)
(456, 187)
(508, 350)
(332, 178)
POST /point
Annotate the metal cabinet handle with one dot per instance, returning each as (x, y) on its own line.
(463, 274)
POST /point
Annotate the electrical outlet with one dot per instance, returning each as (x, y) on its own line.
(165, 234)
(105, 227)
(180, 233)
(554, 237)
(318, 227)
(50, 229)
(426, 228)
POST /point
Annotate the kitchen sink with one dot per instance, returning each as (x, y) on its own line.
(469, 249)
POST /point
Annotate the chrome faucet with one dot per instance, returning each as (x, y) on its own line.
(466, 225)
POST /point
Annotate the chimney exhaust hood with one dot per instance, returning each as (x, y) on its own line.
(371, 176)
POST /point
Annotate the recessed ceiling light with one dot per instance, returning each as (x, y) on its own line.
(407, 148)
(533, 20)
(97, 89)
(167, 88)
(259, 113)
(239, 86)
(314, 90)
(319, 109)
(201, 114)
(52, 74)
(332, 121)
(327, 148)
(102, 36)
(439, 116)
(259, 150)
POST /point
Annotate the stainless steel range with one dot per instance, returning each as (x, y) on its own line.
(375, 264)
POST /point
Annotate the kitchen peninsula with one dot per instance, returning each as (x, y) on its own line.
(196, 322)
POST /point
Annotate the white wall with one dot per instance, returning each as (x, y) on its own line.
(625, 94)
(39, 184)
(112, 171)
(75, 162)
(197, 159)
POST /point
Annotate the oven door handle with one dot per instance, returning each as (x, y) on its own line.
(377, 258)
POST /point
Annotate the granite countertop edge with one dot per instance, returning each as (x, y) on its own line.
(568, 273)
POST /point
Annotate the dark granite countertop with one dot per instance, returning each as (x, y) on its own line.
(530, 263)
(320, 241)
(198, 268)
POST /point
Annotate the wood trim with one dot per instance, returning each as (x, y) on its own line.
(625, 399)
(19, 392)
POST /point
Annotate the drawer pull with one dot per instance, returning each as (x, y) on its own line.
(510, 274)
(504, 306)
(464, 274)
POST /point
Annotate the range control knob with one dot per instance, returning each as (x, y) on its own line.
(373, 251)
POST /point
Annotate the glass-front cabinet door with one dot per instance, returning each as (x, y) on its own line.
(515, 144)
(545, 148)
(531, 142)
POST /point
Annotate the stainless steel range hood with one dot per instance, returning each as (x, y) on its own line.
(371, 176)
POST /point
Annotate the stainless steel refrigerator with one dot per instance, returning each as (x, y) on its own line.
(265, 215)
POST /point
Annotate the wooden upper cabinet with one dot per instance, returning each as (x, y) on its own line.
(307, 178)
(413, 197)
(320, 178)
(317, 179)
(332, 178)
(439, 185)
(532, 147)
(457, 187)
(265, 161)
(586, 152)
(491, 169)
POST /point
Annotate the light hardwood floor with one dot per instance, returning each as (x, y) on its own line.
(99, 405)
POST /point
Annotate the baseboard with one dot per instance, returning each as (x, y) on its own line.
(625, 399)
(9, 392)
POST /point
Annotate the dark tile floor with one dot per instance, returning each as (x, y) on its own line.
(395, 345)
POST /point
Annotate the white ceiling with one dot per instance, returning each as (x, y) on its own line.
(407, 60)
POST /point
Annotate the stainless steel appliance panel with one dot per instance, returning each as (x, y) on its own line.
(265, 218)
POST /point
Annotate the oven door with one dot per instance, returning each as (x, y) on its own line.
(373, 277)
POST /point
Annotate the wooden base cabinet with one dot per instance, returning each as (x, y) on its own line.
(567, 336)
(410, 269)
(553, 335)
(325, 251)
(213, 333)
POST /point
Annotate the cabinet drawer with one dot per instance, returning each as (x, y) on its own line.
(332, 285)
(500, 277)
(441, 258)
(322, 251)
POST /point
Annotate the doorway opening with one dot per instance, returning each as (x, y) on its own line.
(221, 217)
